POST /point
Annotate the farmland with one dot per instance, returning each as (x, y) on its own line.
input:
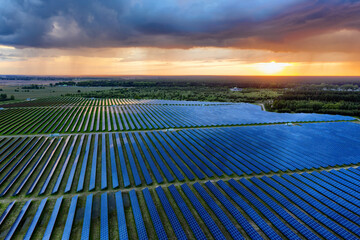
(90, 168)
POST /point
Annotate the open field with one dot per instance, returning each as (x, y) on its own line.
(124, 168)
(22, 94)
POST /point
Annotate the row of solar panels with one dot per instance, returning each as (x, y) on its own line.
(37, 164)
(313, 206)
(78, 101)
(136, 117)
(77, 119)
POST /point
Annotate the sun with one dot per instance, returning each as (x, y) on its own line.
(271, 67)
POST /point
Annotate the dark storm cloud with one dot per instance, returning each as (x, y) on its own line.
(172, 23)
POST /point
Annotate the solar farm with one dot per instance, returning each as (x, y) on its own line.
(159, 169)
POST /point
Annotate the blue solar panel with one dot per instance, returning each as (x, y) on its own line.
(70, 218)
(13, 149)
(183, 157)
(140, 160)
(131, 160)
(35, 220)
(123, 234)
(324, 204)
(281, 211)
(80, 186)
(108, 119)
(218, 212)
(155, 218)
(53, 168)
(230, 151)
(118, 118)
(18, 160)
(104, 219)
(113, 119)
(174, 157)
(331, 188)
(17, 220)
(209, 222)
(201, 165)
(329, 213)
(321, 230)
(114, 175)
(103, 122)
(124, 172)
(174, 221)
(85, 232)
(149, 159)
(73, 168)
(52, 220)
(168, 160)
(6, 212)
(250, 211)
(35, 182)
(24, 168)
(158, 159)
(234, 212)
(200, 152)
(93, 164)
(63, 169)
(196, 229)
(140, 227)
(103, 163)
(98, 118)
(211, 151)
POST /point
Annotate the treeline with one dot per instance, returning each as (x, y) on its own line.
(172, 83)
(4, 97)
(33, 86)
(317, 101)
(188, 93)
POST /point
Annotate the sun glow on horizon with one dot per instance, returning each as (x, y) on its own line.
(271, 67)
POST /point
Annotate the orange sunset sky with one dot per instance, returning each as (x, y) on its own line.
(183, 37)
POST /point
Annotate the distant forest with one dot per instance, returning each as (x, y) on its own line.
(317, 101)
(342, 97)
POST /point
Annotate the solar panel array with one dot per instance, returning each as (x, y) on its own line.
(292, 206)
(42, 165)
(128, 117)
(99, 181)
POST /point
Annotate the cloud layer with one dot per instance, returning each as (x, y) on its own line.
(280, 25)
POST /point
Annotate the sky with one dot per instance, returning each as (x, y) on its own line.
(180, 37)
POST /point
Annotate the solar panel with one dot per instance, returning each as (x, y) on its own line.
(35, 220)
(155, 218)
(93, 163)
(6, 212)
(73, 168)
(124, 172)
(52, 220)
(193, 224)
(114, 175)
(140, 227)
(104, 219)
(80, 186)
(123, 234)
(205, 216)
(18, 220)
(218, 212)
(234, 212)
(63, 169)
(70, 218)
(85, 232)
(103, 162)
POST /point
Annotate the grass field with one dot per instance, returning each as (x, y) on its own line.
(22, 94)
